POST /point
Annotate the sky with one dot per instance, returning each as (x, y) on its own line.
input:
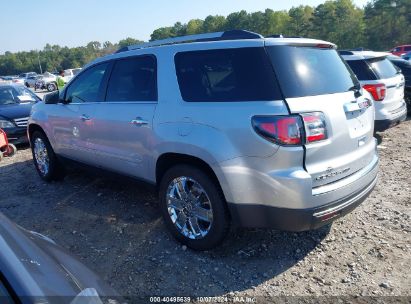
(30, 25)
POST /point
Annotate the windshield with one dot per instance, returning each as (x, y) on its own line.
(13, 95)
(309, 71)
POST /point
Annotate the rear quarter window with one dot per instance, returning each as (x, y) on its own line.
(226, 75)
(309, 71)
(361, 69)
(382, 67)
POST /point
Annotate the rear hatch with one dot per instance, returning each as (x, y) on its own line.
(392, 79)
(314, 79)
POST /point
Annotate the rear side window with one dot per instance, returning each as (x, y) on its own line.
(383, 67)
(361, 69)
(310, 71)
(133, 79)
(86, 87)
(226, 75)
(407, 48)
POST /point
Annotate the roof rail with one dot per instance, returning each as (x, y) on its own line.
(227, 35)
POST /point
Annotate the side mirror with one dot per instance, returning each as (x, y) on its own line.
(52, 98)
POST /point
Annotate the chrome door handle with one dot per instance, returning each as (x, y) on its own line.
(139, 122)
(85, 117)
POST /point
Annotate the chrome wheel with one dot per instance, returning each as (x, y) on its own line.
(189, 207)
(41, 156)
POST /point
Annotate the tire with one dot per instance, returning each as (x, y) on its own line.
(51, 87)
(27, 85)
(210, 204)
(47, 165)
(11, 150)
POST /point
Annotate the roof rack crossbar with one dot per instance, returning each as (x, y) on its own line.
(227, 35)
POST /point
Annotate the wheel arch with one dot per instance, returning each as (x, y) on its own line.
(32, 128)
(171, 159)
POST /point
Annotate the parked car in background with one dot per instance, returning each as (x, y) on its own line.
(21, 79)
(46, 82)
(401, 49)
(405, 67)
(15, 106)
(34, 269)
(384, 82)
(30, 81)
(70, 73)
(406, 56)
(263, 132)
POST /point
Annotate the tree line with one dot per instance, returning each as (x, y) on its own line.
(380, 25)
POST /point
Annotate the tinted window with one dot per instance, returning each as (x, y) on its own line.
(407, 48)
(308, 71)
(361, 69)
(133, 79)
(86, 87)
(5, 296)
(226, 75)
(383, 67)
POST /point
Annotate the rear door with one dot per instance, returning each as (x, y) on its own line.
(124, 122)
(315, 79)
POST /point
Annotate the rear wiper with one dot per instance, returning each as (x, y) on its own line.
(356, 88)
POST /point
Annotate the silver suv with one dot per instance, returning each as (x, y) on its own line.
(232, 128)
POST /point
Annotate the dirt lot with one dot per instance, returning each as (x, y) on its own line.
(116, 229)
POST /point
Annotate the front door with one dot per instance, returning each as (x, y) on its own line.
(72, 121)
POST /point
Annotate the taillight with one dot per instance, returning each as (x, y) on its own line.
(315, 129)
(376, 90)
(290, 130)
(283, 130)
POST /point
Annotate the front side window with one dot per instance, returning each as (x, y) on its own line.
(226, 75)
(133, 79)
(383, 67)
(310, 71)
(86, 87)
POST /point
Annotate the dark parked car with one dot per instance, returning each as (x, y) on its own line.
(33, 269)
(15, 106)
(405, 67)
(406, 56)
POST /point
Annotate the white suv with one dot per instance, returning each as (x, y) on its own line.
(384, 82)
(230, 127)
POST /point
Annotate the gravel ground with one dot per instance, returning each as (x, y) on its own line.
(115, 228)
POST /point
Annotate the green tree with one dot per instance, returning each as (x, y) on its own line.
(300, 21)
(388, 23)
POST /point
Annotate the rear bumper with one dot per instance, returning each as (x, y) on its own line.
(384, 124)
(297, 219)
(17, 136)
(334, 204)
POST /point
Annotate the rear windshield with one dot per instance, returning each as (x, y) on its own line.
(362, 70)
(309, 71)
(226, 75)
(382, 67)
